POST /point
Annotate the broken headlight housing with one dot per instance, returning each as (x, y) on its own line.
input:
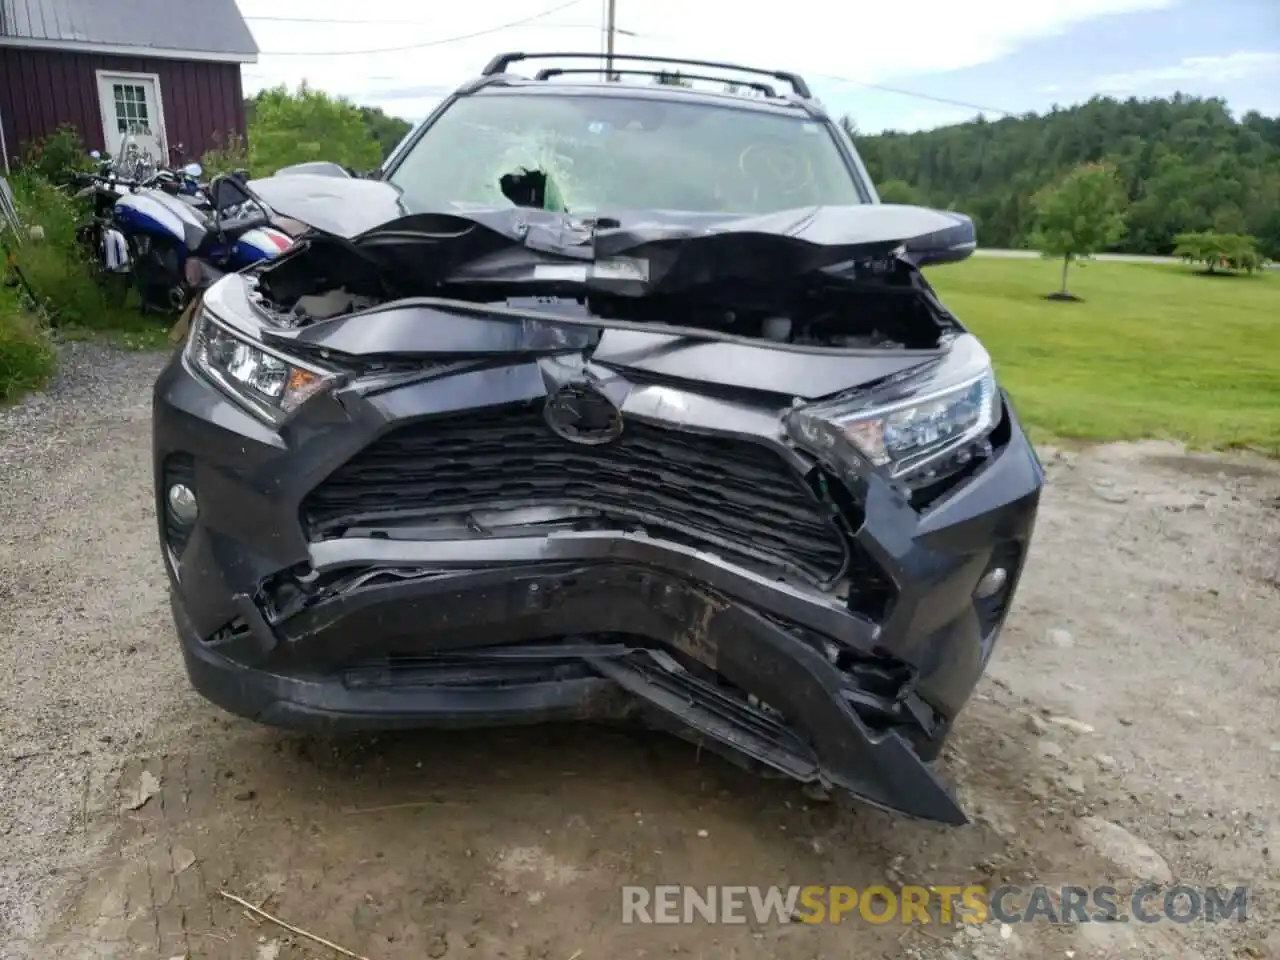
(916, 430)
(268, 384)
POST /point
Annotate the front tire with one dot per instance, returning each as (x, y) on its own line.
(157, 272)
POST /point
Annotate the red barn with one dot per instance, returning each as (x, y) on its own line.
(166, 72)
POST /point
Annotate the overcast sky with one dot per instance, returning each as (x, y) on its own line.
(1001, 55)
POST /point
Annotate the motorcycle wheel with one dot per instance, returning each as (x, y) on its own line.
(157, 276)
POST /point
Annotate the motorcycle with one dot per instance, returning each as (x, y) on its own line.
(104, 246)
(103, 187)
(174, 244)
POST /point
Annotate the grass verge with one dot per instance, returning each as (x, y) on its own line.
(26, 355)
(56, 267)
(64, 282)
(1154, 350)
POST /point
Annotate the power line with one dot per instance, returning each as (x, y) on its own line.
(917, 95)
(366, 22)
(606, 44)
(424, 44)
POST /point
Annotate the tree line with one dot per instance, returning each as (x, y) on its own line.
(1185, 164)
(293, 126)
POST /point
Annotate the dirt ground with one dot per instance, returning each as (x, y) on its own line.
(1137, 685)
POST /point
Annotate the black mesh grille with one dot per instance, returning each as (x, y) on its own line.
(736, 496)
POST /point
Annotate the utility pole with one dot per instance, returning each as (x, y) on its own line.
(610, 28)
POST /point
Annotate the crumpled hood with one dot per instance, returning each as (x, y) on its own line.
(653, 249)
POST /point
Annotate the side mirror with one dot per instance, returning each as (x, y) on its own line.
(949, 245)
(193, 170)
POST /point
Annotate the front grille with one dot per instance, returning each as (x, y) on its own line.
(736, 497)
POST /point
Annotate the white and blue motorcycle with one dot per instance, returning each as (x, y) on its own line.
(173, 241)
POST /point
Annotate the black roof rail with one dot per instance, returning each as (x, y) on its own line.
(500, 63)
(756, 85)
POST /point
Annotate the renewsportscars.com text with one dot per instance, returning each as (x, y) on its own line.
(1149, 903)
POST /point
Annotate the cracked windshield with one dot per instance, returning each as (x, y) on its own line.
(588, 154)
(639, 480)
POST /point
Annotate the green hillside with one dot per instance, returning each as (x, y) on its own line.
(1187, 163)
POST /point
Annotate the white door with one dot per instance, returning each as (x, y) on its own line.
(131, 108)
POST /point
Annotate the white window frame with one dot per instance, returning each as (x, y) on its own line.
(108, 116)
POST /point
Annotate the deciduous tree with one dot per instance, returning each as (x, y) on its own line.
(297, 126)
(1080, 215)
(899, 191)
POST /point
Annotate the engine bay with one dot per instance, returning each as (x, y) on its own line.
(883, 304)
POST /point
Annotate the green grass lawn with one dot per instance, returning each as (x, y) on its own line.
(1156, 350)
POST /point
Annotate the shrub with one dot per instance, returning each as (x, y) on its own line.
(61, 273)
(26, 354)
(228, 153)
(58, 270)
(56, 156)
(295, 126)
(1219, 251)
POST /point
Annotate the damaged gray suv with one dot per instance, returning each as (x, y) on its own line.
(618, 399)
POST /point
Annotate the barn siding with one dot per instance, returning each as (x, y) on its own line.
(41, 89)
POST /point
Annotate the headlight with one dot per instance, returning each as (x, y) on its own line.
(916, 430)
(267, 383)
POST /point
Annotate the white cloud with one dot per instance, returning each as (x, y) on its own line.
(1195, 70)
(867, 42)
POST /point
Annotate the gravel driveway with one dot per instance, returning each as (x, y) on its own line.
(1129, 726)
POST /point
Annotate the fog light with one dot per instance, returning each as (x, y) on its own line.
(992, 582)
(182, 503)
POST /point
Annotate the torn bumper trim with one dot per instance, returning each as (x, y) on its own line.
(494, 562)
(834, 745)
(300, 674)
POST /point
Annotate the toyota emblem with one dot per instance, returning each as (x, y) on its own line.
(581, 414)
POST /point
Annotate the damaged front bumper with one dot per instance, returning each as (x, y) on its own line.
(315, 670)
(605, 673)
(521, 617)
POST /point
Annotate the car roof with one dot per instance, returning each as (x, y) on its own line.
(586, 73)
(500, 85)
